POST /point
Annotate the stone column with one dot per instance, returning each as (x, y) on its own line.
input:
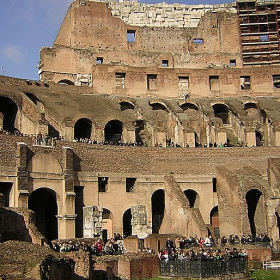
(66, 226)
(139, 223)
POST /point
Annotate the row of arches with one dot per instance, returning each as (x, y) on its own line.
(43, 202)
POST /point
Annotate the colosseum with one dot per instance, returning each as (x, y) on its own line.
(148, 119)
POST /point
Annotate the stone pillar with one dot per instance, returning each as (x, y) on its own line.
(66, 226)
(190, 139)
(21, 186)
(92, 221)
(66, 219)
(139, 223)
(251, 139)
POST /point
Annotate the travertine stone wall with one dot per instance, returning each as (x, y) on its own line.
(163, 14)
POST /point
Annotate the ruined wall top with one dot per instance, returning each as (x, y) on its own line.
(162, 14)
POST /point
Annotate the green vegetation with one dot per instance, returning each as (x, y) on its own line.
(266, 274)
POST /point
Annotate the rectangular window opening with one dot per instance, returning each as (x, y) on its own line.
(99, 60)
(130, 183)
(276, 81)
(164, 63)
(214, 184)
(214, 83)
(183, 83)
(130, 36)
(245, 82)
(152, 82)
(232, 62)
(120, 79)
(102, 184)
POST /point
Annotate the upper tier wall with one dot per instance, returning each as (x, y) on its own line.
(163, 14)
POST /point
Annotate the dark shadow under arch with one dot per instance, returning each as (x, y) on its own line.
(221, 111)
(82, 128)
(192, 197)
(66, 82)
(158, 207)
(113, 132)
(9, 110)
(43, 203)
(127, 227)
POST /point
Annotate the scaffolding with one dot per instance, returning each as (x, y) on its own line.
(259, 23)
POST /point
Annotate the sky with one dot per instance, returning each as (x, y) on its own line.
(28, 25)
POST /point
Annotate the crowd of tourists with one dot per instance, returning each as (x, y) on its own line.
(113, 246)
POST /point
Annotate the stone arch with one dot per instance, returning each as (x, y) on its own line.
(107, 224)
(127, 105)
(127, 224)
(193, 198)
(8, 114)
(189, 107)
(66, 82)
(158, 209)
(83, 128)
(43, 201)
(277, 217)
(113, 131)
(159, 105)
(256, 211)
(221, 111)
(44, 163)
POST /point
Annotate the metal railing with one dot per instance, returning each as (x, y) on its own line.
(204, 268)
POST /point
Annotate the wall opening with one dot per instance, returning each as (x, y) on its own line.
(214, 184)
(126, 106)
(152, 82)
(221, 111)
(158, 206)
(193, 198)
(102, 184)
(43, 203)
(127, 227)
(276, 81)
(131, 35)
(120, 80)
(82, 129)
(79, 204)
(5, 190)
(259, 141)
(99, 60)
(107, 224)
(256, 211)
(183, 84)
(113, 132)
(66, 82)
(52, 132)
(214, 220)
(129, 184)
(245, 82)
(214, 83)
(9, 112)
(140, 133)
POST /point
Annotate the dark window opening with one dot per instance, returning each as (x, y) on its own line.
(66, 82)
(120, 78)
(52, 132)
(126, 106)
(245, 82)
(214, 184)
(102, 184)
(214, 83)
(164, 63)
(189, 107)
(276, 81)
(259, 137)
(127, 227)
(158, 106)
(99, 60)
(5, 190)
(131, 36)
(32, 97)
(8, 117)
(250, 105)
(130, 182)
(192, 197)
(232, 62)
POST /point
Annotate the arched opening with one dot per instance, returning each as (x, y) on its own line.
(256, 211)
(66, 82)
(82, 129)
(278, 223)
(158, 106)
(52, 132)
(221, 111)
(127, 227)
(32, 97)
(107, 224)
(43, 203)
(259, 141)
(189, 107)
(5, 190)
(158, 207)
(9, 112)
(113, 132)
(193, 198)
(126, 106)
(250, 105)
(214, 221)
